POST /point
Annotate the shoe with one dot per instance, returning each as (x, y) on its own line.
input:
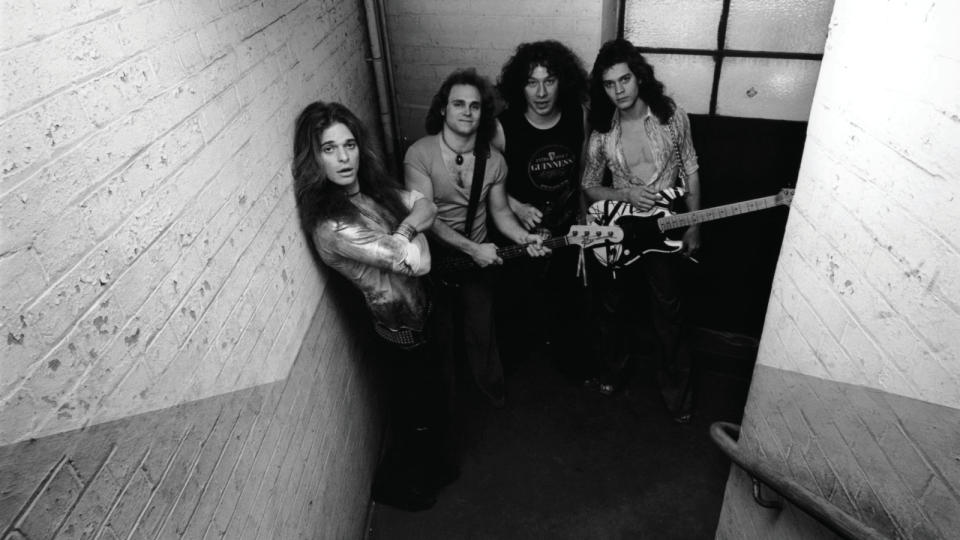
(607, 389)
(602, 385)
(611, 383)
(403, 496)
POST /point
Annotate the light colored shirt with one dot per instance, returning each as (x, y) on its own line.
(452, 198)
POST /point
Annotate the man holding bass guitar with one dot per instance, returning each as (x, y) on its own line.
(643, 138)
(455, 167)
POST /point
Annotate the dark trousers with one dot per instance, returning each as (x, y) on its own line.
(419, 435)
(651, 281)
(542, 301)
(465, 333)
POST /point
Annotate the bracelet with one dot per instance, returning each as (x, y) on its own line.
(406, 230)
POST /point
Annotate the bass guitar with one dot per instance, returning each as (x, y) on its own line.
(646, 231)
(578, 235)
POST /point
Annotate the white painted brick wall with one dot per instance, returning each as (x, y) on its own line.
(149, 247)
(872, 241)
(169, 366)
(863, 326)
(431, 38)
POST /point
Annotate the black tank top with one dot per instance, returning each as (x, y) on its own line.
(544, 164)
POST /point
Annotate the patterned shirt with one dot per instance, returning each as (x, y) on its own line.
(606, 150)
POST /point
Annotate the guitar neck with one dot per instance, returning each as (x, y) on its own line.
(519, 250)
(717, 212)
(464, 262)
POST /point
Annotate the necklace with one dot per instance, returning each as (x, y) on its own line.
(459, 159)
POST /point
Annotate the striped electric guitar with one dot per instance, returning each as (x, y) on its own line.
(645, 232)
(578, 235)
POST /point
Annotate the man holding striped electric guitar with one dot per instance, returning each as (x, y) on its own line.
(643, 138)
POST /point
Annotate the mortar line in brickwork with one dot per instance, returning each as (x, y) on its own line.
(74, 84)
(287, 438)
(119, 119)
(840, 160)
(278, 207)
(926, 459)
(34, 38)
(271, 310)
(887, 411)
(275, 339)
(851, 316)
(85, 487)
(830, 465)
(123, 490)
(176, 219)
(186, 481)
(37, 364)
(109, 234)
(266, 431)
(213, 342)
(226, 482)
(193, 470)
(307, 418)
(156, 485)
(31, 501)
(866, 478)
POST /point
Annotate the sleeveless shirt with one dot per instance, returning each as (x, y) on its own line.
(543, 165)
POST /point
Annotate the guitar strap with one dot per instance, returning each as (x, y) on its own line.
(675, 135)
(479, 165)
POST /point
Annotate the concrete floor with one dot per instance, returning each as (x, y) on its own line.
(560, 461)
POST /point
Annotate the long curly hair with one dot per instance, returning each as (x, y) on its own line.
(317, 197)
(470, 77)
(650, 90)
(557, 59)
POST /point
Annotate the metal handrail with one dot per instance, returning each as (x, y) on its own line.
(828, 514)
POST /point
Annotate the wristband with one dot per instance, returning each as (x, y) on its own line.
(406, 230)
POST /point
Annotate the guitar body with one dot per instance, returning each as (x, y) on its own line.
(641, 232)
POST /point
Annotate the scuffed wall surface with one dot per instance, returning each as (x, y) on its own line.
(156, 286)
(290, 459)
(857, 390)
(149, 230)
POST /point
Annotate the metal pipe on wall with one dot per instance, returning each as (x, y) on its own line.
(379, 58)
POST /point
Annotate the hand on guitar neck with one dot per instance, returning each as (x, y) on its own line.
(578, 235)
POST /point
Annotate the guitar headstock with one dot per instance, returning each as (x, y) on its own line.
(785, 197)
(587, 235)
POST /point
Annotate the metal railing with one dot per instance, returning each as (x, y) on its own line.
(828, 514)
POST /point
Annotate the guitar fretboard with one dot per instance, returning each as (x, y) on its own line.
(508, 252)
(717, 212)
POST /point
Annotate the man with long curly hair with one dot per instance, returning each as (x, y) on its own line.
(541, 134)
(643, 139)
(460, 124)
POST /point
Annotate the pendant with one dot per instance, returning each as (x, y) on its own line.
(459, 159)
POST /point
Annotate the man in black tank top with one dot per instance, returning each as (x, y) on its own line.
(541, 135)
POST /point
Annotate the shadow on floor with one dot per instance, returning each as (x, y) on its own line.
(560, 461)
